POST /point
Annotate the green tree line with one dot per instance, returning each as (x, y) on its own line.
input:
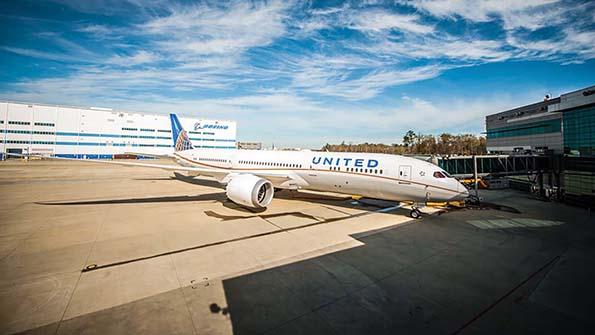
(444, 144)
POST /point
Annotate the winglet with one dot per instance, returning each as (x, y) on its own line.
(179, 135)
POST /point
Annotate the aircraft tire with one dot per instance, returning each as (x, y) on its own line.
(416, 214)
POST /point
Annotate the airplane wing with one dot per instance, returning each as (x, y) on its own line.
(222, 175)
(149, 155)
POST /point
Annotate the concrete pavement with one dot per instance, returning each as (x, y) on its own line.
(175, 257)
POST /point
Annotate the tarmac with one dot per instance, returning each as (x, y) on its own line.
(101, 249)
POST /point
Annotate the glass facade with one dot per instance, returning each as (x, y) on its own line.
(535, 128)
(579, 132)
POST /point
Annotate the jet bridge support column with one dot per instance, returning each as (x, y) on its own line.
(475, 176)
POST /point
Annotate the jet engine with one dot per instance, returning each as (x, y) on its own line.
(250, 191)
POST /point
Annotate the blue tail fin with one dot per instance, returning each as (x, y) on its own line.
(179, 135)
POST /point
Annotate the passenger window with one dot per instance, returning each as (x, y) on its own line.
(438, 174)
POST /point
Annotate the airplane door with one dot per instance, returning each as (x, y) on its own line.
(404, 174)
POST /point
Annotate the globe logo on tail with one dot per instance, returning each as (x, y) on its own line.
(179, 135)
(183, 142)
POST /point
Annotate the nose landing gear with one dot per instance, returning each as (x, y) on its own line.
(415, 213)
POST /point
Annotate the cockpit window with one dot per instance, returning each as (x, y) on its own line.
(439, 174)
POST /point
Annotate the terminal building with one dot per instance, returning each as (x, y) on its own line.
(562, 125)
(559, 132)
(77, 132)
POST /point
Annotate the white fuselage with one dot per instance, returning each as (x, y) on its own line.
(381, 176)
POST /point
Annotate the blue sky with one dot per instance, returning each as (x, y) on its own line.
(300, 73)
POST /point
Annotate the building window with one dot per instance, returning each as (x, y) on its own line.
(578, 134)
(534, 128)
(17, 142)
(45, 124)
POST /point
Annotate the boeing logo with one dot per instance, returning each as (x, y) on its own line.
(337, 161)
(198, 126)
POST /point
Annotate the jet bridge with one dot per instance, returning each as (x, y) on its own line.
(493, 165)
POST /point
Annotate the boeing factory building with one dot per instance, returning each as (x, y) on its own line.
(99, 132)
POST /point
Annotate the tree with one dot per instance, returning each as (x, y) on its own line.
(445, 144)
(409, 138)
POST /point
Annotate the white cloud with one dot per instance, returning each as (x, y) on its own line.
(140, 57)
(486, 10)
(363, 87)
(573, 47)
(458, 50)
(379, 20)
(55, 56)
(205, 30)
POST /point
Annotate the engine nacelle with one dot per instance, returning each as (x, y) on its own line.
(250, 190)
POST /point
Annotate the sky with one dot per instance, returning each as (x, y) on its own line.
(300, 73)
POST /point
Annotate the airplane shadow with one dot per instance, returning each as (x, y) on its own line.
(187, 179)
(223, 217)
(218, 196)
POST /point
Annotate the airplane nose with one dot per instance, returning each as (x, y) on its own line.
(463, 190)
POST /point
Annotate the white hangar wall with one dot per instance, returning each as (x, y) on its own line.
(100, 133)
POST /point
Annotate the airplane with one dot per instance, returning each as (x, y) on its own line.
(250, 177)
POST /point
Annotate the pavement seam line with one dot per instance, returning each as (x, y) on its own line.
(81, 273)
(181, 287)
(506, 295)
